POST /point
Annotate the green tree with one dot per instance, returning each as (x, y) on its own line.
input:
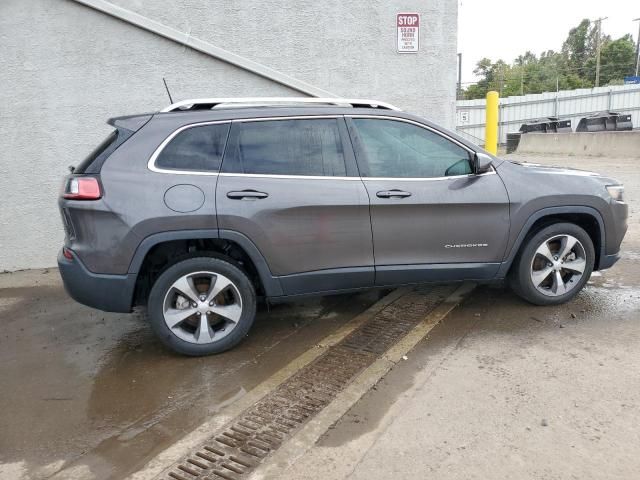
(617, 59)
(578, 47)
(492, 77)
(573, 67)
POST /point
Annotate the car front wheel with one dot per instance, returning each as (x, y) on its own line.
(554, 265)
(201, 306)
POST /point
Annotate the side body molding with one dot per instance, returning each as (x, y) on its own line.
(271, 284)
(546, 212)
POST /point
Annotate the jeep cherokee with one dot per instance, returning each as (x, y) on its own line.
(198, 210)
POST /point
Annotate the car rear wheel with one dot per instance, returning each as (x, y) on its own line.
(201, 306)
(554, 265)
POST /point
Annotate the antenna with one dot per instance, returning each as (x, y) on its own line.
(167, 88)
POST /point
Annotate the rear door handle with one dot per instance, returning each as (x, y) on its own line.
(252, 194)
(393, 194)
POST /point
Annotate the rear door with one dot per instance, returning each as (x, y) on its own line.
(291, 186)
(432, 218)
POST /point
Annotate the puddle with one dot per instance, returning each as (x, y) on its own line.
(99, 393)
(237, 449)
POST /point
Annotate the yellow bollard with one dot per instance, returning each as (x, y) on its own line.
(491, 128)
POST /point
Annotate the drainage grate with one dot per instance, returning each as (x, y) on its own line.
(240, 447)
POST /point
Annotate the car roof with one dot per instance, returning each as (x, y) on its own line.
(173, 120)
(209, 103)
(242, 112)
(179, 118)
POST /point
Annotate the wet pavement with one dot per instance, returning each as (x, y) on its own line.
(255, 436)
(502, 389)
(499, 389)
(82, 385)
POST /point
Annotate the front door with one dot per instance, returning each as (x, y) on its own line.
(291, 186)
(432, 218)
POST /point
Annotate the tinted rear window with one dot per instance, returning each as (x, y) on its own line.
(287, 147)
(196, 148)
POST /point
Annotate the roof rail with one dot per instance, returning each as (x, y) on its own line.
(209, 103)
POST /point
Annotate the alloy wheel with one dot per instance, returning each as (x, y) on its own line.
(558, 265)
(202, 307)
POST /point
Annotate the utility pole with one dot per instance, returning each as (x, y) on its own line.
(637, 46)
(522, 80)
(459, 92)
(557, 104)
(598, 45)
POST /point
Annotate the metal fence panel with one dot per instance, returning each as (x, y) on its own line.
(566, 104)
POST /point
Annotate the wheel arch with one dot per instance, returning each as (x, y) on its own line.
(585, 217)
(166, 248)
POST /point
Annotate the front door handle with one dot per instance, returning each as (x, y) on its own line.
(251, 194)
(393, 194)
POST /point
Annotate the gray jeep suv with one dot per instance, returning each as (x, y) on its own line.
(198, 210)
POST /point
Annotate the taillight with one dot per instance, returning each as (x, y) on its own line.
(67, 253)
(82, 188)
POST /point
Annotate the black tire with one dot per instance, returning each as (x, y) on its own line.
(521, 279)
(164, 283)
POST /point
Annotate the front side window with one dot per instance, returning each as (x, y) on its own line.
(286, 147)
(402, 150)
(196, 148)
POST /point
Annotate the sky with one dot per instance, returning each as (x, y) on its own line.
(504, 29)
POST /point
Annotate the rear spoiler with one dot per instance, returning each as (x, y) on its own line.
(130, 122)
(125, 127)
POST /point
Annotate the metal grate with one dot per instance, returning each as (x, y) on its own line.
(239, 448)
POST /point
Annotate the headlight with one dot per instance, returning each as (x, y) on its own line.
(616, 192)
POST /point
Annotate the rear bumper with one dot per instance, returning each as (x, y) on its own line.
(607, 261)
(111, 293)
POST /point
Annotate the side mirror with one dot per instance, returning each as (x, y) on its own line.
(482, 163)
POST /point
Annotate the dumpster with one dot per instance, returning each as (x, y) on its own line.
(547, 125)
(513, 140)
(605, 122)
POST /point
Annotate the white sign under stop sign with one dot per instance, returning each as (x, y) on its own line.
(408, 25)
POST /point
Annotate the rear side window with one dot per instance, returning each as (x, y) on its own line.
(196, 148)
(125, 128)
(286, 147)
(104, 149)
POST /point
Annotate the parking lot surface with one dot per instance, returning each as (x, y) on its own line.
(502, 389)
(498, 389)
(84, 386)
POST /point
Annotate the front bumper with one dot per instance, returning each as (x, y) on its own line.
(607, 261)
(617, 225)
(111, 293)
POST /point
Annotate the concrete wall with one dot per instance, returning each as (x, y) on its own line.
(609, 144)
(67, 68)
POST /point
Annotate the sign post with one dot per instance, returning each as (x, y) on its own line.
(408, 25)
